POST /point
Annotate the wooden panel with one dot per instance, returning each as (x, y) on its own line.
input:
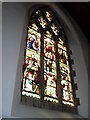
(65, 108)
(23, 99)
(75, 86)
(70, 51)
(46, 104)
(77, 101)
(74, 73)
(27, 100)
(36, 102)
(72, 61)
(73, 110)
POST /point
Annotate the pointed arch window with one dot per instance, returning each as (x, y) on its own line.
(47, 72)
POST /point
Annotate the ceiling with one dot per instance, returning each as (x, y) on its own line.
(80, 12)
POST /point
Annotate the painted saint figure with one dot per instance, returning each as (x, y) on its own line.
(33, 43)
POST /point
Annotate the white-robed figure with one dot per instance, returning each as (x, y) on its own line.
(28, 85)
(51, 86)
(29, 81)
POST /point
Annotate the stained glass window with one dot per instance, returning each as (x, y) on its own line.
(42, 22)
(54, 29)
(66, 87)
(32, 63)
(48, 16)
(46, 44)
(50, 77)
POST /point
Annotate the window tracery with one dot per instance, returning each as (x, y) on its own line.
(31, 78)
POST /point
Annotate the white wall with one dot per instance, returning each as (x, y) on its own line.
(13, 23)
(0, 60)
(14, 32)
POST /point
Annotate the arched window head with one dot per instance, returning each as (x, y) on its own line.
(47, 73)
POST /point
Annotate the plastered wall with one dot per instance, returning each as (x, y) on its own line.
(15, 22)
(0, 59)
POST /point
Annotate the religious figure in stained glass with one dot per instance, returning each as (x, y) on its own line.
(67, 95)
(32, 63)
(31, 78)
(49, 69)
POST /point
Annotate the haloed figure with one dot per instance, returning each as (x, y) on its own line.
(33, 43)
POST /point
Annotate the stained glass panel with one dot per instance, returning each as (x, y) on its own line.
(42, 22)
(50, 75)
(67, 94)
(34, 26)
(31, 77)
(54, 29)
(60, 41)
(48, 16)
(68, 103)
(32, 63)
(48, 34)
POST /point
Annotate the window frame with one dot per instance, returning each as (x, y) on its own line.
(41, 103)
